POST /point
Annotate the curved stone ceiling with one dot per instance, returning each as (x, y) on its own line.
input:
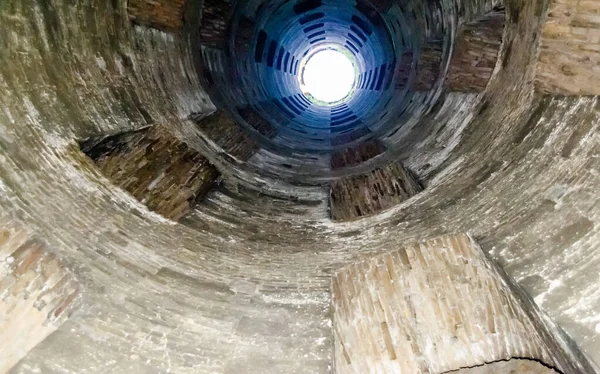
(141, 231)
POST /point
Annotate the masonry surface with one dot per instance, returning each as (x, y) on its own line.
(145, 226)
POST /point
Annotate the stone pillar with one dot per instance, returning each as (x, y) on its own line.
(165, 15)
(371, 193)
(155, 167)
(222, 129)
(213, 26)
(37, 294)
(570, 49)
(476, 54)
(439, 306)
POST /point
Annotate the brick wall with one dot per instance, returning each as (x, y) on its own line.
(243, 35)
(165, 15)
(356, 155)
(37, 294)
(213, 27)
(570, 49)
(363, 195)
(472, 63)
(156, 168)
(429, 66)
(222, 129)
(476, 54)
(258, 122)
(434, 307)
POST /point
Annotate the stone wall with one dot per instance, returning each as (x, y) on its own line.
(215, 17)
(155, 167)
(429, 66)
(570, 49)
(356, 155)
(472, 63)
(258, 122)
(370, 193)
(37, 294)
(513, 366)
(434, 307)
(476, 54)
(222, 129)
(165, 15)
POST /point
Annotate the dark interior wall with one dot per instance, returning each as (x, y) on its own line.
(245, 286)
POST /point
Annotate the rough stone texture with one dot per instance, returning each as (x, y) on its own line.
(367, 194)
(356, 155)
(429, 66)
(156, 168)
(165, 15)
(222, 129)
(382, 5)
(438, 306)
(37, 293)
(243, 36)
(258, 122)
(247, 289)
(472, 63)
(570, 50)
(508, 367)
(215, 16)
(476, 54)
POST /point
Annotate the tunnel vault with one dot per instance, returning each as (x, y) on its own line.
(214, 218)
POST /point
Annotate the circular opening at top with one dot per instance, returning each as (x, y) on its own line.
(328, 76)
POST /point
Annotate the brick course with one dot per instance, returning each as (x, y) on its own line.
(222, 129)
(570, 49)
(165, 15)
(434, 307)
(37, 294)
(155, 167)
(367, 194)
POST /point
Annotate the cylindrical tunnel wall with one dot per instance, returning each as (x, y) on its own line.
(244, 285)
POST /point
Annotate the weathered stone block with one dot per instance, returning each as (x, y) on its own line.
(356, 155)
(439, 306)
(570, 49)
(213, 27)
(155, 167)
(37, 293)
(472, 64)
(367, 194)
(476, 54)
(258, 122)
(222, 129)
(165, 15)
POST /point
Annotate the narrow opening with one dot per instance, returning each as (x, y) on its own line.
(328, 75)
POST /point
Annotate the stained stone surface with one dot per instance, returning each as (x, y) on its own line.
(508, 367)
(244, 286)
(570, 50)
(155, 167)
(373, 192)
(37, 294)
(438, 306)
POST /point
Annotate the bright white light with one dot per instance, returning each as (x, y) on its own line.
(328, 76)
